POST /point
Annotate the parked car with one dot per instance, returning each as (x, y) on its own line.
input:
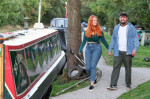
(61, 24)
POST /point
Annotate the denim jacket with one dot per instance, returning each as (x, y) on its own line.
(132, 40)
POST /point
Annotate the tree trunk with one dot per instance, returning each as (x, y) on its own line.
(74, 31)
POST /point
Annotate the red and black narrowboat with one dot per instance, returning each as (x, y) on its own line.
(30, 60)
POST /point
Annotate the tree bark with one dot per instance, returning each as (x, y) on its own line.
(74, 31)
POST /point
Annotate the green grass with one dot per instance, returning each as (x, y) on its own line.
(108, 59)
(138, 60)
(141, 92)
(62, 82)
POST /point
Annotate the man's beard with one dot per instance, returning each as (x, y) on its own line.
(123, 23)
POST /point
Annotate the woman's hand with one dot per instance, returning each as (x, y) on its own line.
(110, 53)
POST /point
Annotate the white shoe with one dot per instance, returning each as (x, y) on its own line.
(112, 87)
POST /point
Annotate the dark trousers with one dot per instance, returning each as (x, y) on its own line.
(118, 60)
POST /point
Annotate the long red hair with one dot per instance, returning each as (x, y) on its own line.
(93, 29)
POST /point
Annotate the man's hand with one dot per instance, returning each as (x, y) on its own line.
(79, 53)
(133, 53)
(110, 53)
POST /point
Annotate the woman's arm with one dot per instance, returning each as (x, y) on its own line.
(83, 43)
(104, 41)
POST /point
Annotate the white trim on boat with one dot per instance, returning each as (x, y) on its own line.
(33, 90)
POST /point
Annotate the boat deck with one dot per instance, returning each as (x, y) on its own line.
(25, 36)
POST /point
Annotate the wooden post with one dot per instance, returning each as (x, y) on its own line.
(1, 70)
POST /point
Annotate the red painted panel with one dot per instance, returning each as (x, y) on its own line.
(8, 73)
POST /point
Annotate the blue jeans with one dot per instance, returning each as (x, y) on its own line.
(93, 53)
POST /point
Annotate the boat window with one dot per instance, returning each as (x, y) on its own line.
(19, 70)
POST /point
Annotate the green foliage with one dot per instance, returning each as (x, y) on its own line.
(31, 9)
(55, 9)
(138, 11)
(86, 11)
(12, 12)
(109, 10)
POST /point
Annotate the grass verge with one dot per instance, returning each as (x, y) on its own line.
(141, 92)
(138, 60)
(62, 83)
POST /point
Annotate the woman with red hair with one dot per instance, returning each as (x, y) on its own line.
(93, 36)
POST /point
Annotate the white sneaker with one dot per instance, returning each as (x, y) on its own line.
(112, 87)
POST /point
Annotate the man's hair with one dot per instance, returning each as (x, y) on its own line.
(123, 14)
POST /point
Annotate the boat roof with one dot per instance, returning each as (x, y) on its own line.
(29, 36)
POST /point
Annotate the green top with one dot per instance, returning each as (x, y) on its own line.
(93, 38)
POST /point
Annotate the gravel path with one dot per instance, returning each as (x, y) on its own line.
(139, 76)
